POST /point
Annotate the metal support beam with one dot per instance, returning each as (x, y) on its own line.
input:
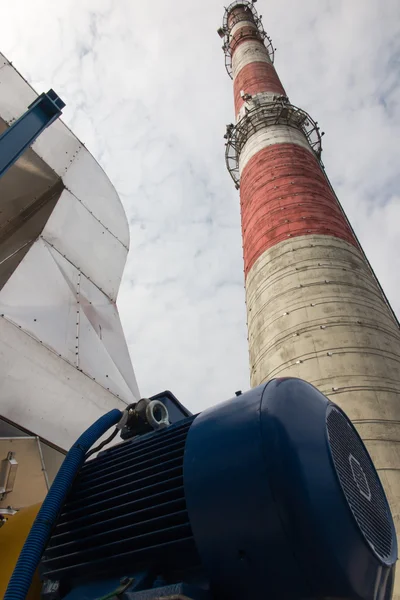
(21, 134)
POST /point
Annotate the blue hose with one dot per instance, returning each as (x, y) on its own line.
(36, 541)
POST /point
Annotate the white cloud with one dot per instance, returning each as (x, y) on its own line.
(147, 92)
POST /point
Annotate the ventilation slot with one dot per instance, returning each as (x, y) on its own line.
(126, 506)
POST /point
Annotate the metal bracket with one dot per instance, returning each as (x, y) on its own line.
(23, 132)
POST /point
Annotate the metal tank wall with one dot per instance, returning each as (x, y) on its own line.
(314, 307)
(64, 240)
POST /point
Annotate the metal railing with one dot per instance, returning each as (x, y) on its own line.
(265, 113)
(230, 42)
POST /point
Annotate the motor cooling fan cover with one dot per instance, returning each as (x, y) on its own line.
(284, 501)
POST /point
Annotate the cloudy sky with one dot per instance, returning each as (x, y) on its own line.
(147, 92)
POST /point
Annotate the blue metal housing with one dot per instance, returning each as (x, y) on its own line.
(271, 494)
(266, 507)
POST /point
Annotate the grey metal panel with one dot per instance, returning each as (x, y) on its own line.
(52, 301)
(22, 229)
(76, 234)
(58, 147)
(89, 183)
(27, 180)
(68, 269)
(45, 394)
(95, 361)
(48, 298)
(3, 60)
(41, 299)
(103, 316)
(15, 94)
(66, 155)
(42, 388)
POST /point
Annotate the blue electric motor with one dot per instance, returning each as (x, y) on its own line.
(271, 495)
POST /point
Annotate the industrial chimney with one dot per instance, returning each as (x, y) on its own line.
(315, 309)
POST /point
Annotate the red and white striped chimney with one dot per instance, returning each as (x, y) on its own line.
(315, 309)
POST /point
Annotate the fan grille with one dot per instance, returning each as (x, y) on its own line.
(360, 484)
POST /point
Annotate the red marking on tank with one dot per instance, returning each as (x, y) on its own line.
(283, 194)
(254, 78)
